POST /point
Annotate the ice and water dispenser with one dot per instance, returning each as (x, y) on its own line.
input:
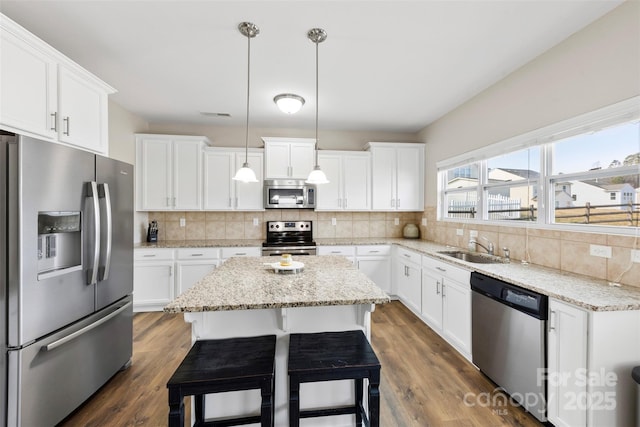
(59, 243)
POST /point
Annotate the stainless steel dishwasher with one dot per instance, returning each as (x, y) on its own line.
(509, 340)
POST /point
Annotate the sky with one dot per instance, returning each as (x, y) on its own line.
(580, 153)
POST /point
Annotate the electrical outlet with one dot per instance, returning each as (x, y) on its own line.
(473, 234)
(333, 221)
(396, 221)
(600, 251)
(459, 232)
(424, 222)
(635, 255)
(255, 222)
(183, 222)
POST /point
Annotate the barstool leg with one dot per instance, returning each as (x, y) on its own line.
(199, 408)
(359, 404)
(374, 399)
(266, 408)
(294, 402)
(176, 408)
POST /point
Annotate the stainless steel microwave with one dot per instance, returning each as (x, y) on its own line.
(289, 194)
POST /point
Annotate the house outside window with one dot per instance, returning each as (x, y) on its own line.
(576, 168)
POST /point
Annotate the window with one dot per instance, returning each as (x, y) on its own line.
(577, 169)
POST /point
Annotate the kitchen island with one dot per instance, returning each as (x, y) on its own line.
(246, 297)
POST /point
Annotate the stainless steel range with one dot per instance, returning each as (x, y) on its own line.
(289, 237)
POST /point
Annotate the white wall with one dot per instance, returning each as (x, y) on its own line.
(595, 67)
(222, 136)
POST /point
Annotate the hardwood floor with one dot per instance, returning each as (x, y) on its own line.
(424, 380)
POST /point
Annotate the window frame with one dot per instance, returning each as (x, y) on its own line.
(616, 114)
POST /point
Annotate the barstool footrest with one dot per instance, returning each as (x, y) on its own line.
(230, 422)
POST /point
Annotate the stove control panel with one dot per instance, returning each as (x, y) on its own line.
(280, 226)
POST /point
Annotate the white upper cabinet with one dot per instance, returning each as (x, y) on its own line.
(288, 158)
(221, 192)
(169, 172)
(397, 171)
(349, 175)
(46, 95)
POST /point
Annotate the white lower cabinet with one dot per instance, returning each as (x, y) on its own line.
(446, 302)
(227, 253)
(346, 251)
(375, 262)
(590, 356)
(160, 275)
(193, 264)
(153, 281)
(408, 277)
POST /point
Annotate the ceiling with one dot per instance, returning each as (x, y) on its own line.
(391, 66)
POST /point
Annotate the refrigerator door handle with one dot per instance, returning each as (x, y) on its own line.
(104, 269)
(92, 274)
(86, 329)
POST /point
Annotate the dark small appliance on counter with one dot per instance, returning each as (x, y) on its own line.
(152, 232)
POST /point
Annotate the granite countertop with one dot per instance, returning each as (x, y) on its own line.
(247, 283)
(583, 291)
(211, 243)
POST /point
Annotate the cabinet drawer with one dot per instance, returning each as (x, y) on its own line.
(242, 251)
(373, 250)
(152, 254)
(441, 268)
(408, 255)
(197, 253)
(337, 250)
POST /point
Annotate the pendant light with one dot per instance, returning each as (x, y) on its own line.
(317, 176)
(245, 173)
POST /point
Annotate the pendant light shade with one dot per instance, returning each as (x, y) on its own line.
(317, 176)
(245, 173)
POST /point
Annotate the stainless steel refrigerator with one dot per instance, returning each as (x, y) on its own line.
(66, 274)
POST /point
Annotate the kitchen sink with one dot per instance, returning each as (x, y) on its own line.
(474, 257)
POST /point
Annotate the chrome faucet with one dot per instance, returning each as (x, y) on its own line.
(488, 248)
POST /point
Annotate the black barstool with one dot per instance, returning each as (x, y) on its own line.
(330, 356)
(215, 366)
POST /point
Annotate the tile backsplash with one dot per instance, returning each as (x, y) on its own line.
(240, 225)
(563, 250)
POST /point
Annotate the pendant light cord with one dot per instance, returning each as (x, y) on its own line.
(317, 146)
(246, 136)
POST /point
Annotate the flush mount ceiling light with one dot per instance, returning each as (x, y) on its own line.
(289, 103)
(245, 173)
(317, 176)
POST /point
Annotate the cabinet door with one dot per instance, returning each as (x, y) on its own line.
(82, 113)
(329, 195)
(301, 159)
(410, 286)
(378, 269)
(28, 80)
(383, 178)
(152, 285)
(154, 172)
(356, 183)
(410, 181)
(218, 170)
(432, 300)
(249, 195)
(277, 160)
(567, 356)
(189, 273)
(187, 175)
(456, 315)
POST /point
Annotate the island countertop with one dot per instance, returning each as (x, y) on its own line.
(249, 283)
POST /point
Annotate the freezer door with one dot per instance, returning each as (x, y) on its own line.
(53, 376)
(45, 177)
(115, 189)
